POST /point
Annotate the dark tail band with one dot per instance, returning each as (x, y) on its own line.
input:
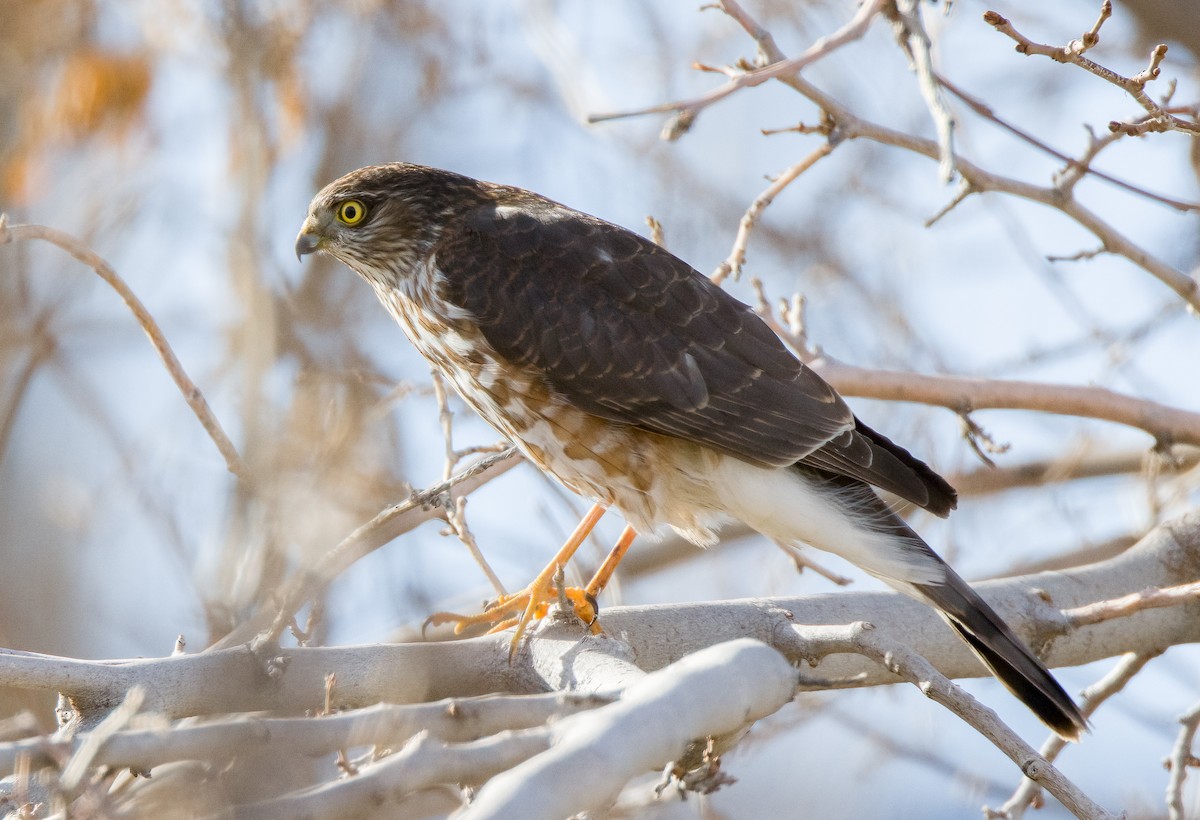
(1009, 659)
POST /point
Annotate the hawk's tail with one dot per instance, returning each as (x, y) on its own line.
(1006, 655)
(905, 561)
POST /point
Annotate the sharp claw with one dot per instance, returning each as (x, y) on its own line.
(520, 610)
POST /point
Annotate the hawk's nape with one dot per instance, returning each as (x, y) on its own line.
(635, 381)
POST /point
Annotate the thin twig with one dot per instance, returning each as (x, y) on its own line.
(737, 256)
(853, 30)
(1078, 167)
(386, 525)
(1127, 605)
(191, 393)
(446, 420)
(803, 562)
(1134, 86)
(850, 126)
(457, 520)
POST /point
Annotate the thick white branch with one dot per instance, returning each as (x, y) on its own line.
(236, 680)
(422, 763)
(714, 692)
(459, 719)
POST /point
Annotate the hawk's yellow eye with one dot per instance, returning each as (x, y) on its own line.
(351, 212)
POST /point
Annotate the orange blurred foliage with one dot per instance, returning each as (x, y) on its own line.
(97, 91)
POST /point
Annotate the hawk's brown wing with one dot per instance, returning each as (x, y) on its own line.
(628, 332)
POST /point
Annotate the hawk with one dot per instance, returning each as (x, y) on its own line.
(636, 382)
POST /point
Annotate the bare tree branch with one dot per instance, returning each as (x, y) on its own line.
(919, 672)
(394, 521)
(1135, 86)
(1028, 794)
(854, 29)
(1180, 760)
(191, 393)
(714, 692)
(1167, 425)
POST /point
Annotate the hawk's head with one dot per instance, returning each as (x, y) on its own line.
(382, 220)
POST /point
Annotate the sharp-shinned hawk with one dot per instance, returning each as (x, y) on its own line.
(638, 383)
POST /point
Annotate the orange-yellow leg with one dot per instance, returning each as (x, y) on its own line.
(533, 601)
(600, 580)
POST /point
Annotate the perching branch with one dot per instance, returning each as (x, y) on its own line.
(235, 680)
(822, 635)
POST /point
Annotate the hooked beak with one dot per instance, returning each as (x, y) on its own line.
(309, 241)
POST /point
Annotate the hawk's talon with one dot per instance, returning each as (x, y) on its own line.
(532, 605)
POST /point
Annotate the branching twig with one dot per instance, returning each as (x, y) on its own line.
(1134, 86)
(850, 126)
(1075, 168)
(980, 440)
(400, 518)
(853, 30)
(423, 762)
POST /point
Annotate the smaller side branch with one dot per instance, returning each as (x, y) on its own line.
(1075, 169)
(1129, 604)
(1179, 761)
(914, 39)
(422, 763)
(1167, 424)
(916, 670)
(395, 520)
(1028, 794)
(732, 266)
(386, 725)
